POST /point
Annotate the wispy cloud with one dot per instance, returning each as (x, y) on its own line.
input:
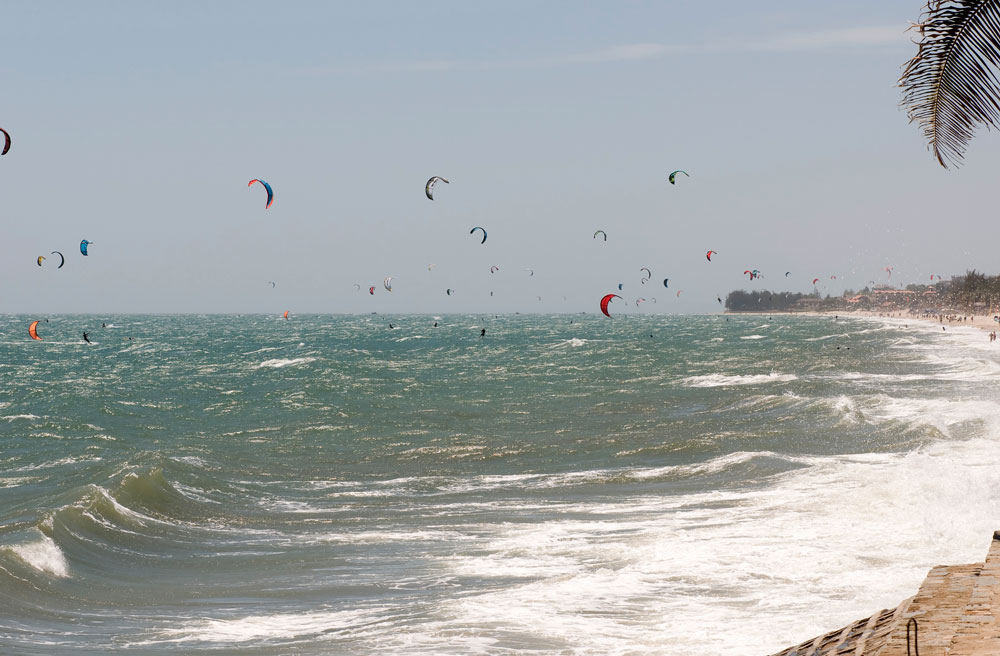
(855, 38)
(427, 66)
(629, 52)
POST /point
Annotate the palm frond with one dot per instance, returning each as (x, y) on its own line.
(951, 86)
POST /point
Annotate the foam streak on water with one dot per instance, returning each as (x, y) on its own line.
(564, 485)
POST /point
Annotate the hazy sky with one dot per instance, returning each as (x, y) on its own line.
(138, 125)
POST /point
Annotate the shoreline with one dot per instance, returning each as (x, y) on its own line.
(984, 323)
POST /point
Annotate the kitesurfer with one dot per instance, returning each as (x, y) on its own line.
(85, 337)
(483, 333)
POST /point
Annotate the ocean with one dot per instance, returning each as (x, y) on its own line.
(565, 484)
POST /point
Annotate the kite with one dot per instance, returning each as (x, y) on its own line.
(270, 193)
(33, 330)
(494, 269)
(815, 280)
(286, 315)
(605, 301)
(665, 281)
(709, 255)
(62, 260)
(6, 142)
(40, 258)
(484, 233)
(429, 187)
(371, 290)
(673, 176)
(601, 232)
(83, 246)
(388, 284)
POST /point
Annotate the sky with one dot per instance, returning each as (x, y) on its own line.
(137, 126)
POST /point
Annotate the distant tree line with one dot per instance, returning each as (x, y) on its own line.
(973, 287)
(764, 301)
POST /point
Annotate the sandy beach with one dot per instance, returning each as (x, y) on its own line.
(984, 323)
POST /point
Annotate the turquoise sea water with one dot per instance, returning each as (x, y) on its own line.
(563, 485)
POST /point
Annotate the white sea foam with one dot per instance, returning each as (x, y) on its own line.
(264, 350)
(722, 380)
(193, 493)
(571, 342)
(753, 337)
(43, 554)
(16, 481)
(281, 362)
(823, 338)
(277, 626)
(57, 463)
(946, 415)
(773, 564)
(13, 417)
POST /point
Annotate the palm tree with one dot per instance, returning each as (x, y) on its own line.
(951, 85)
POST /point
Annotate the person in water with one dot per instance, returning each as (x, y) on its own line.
(483, 333)
(85, 337)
